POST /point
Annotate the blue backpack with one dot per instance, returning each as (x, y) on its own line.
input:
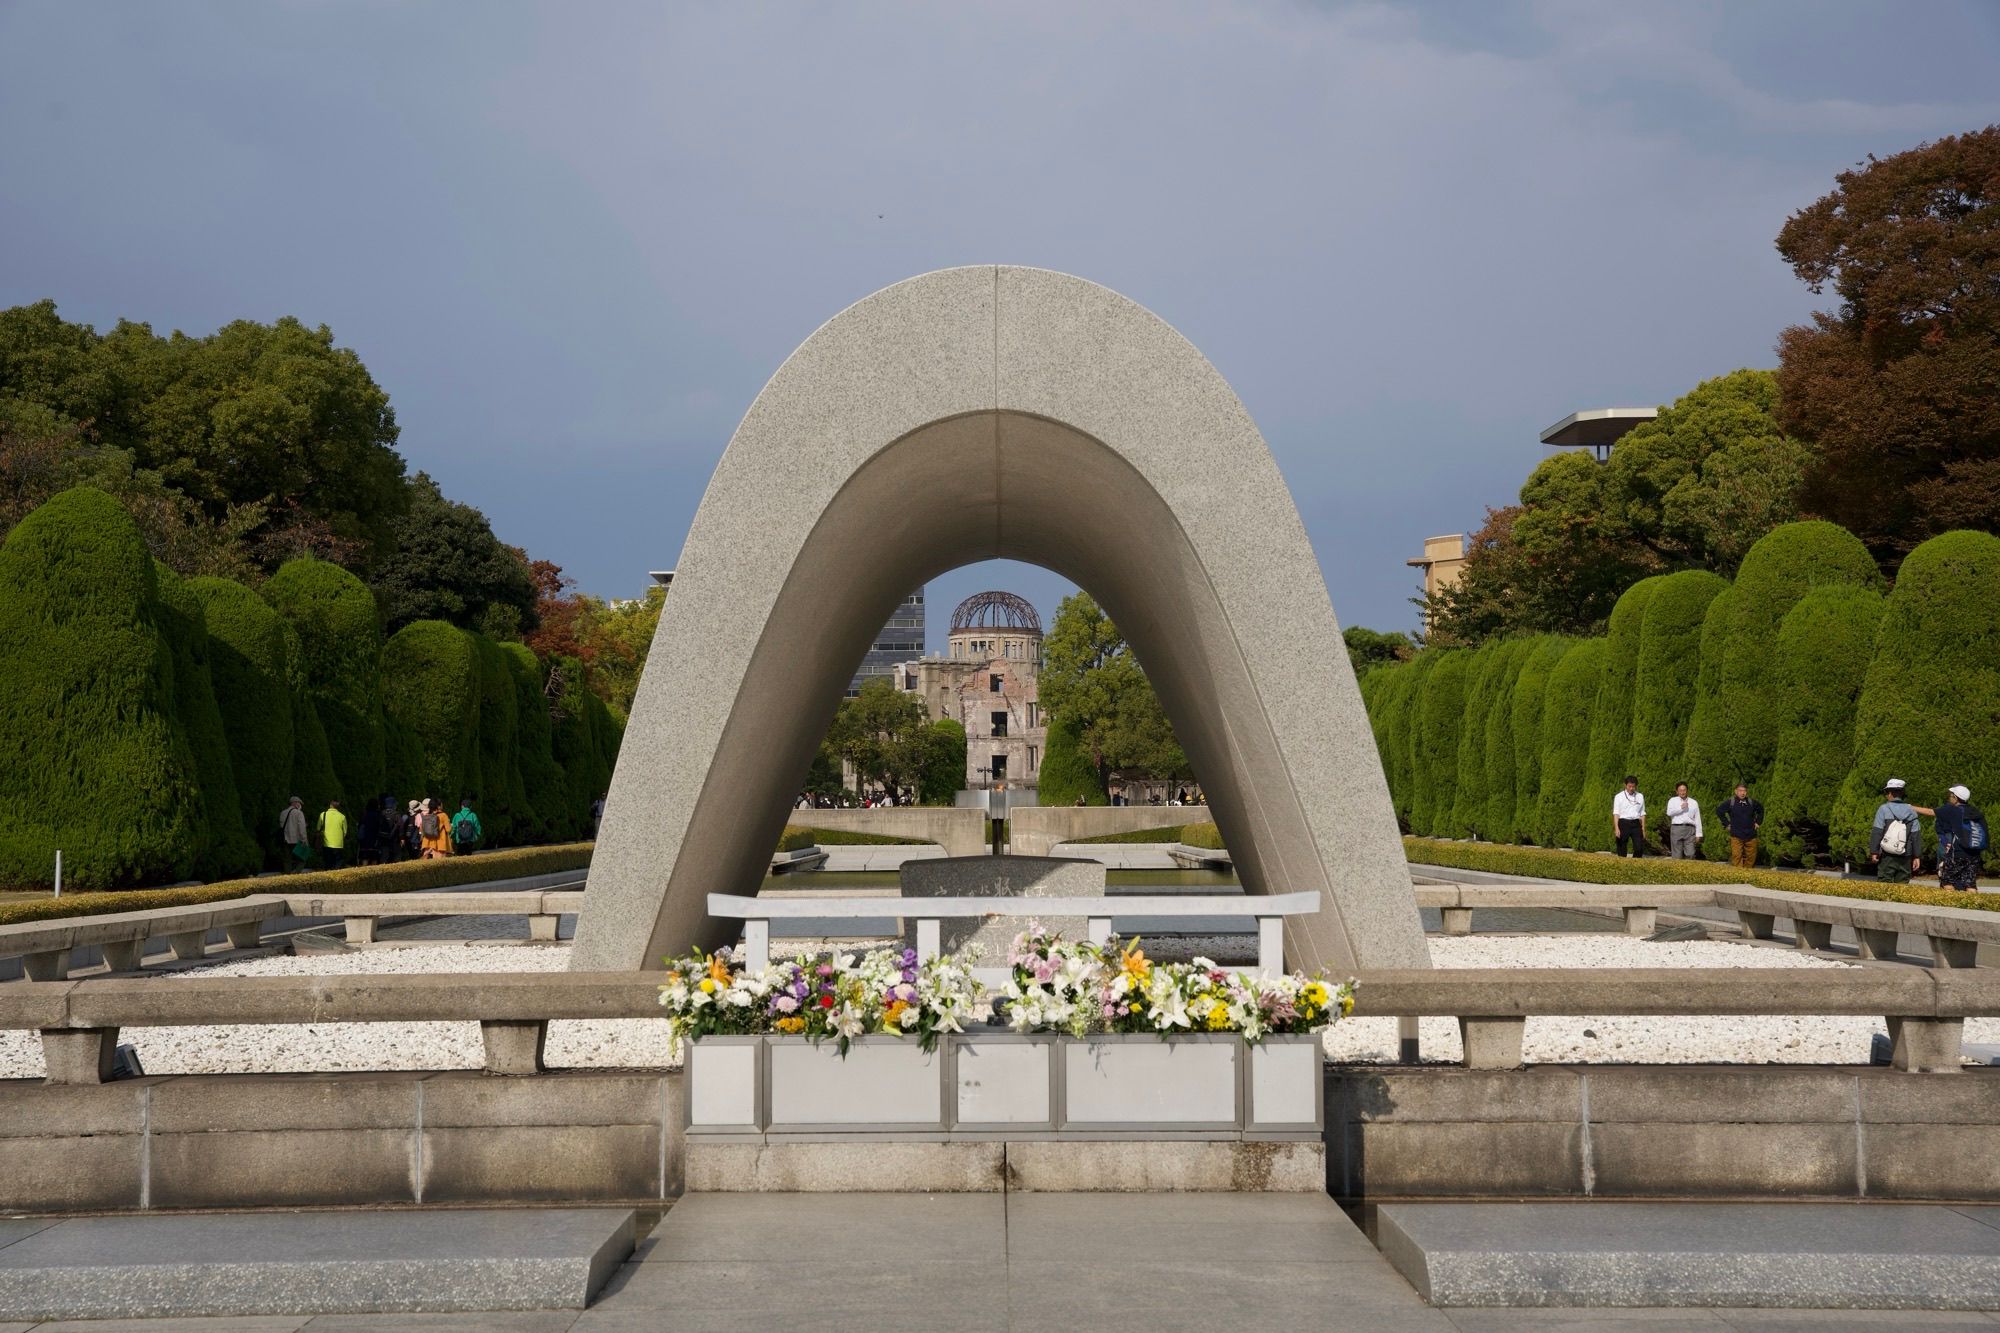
(1975, 833)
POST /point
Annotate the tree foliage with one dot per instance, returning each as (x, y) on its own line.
(92, 759)
(1497, 819)
(430, 678)
(1929, 709)
(943, 774)
(886, 735)
(1818, 664)
(270, 415)
(447, 565)
(1468, 806)
(224, 848)
(250, 665)
(1529, 701)
(1691, 489)
(1091, 679)
(1440, 713)
(1897, 390)
(1371, 648)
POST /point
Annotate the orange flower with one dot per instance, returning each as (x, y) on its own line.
(1135, 965)
(718, 970)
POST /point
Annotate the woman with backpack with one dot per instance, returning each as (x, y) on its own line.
(1961, 836)
(434, 830)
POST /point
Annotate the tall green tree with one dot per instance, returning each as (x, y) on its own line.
(447, 565)
(340, 633)
(224, 848)
(1091, 678)
(1468, 806)
(251, 667)
(1567, 704)
(1895, 389)
(1529, 703)
(885, 734)
(1371, 648)
(943, 773)
(1440, 716)
(1497, 820)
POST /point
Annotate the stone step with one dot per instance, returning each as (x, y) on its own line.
(218, 1265)
(1848, 1256)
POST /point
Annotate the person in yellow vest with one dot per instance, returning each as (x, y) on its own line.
(434, 829)
(333, 834)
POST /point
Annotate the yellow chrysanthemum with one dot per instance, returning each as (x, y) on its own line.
(793, 1025)
(708, 985)
(1218, 1018)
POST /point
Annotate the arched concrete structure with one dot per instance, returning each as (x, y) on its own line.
(972, 414)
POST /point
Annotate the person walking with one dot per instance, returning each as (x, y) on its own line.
(333, 834)
(368, 844)
(1628, 819)
(1895, 839)
(1683, 823)
(433, 830)
(1961, 836)
(1742, 817)
(465, 829)
(293, 833)
(413, 834)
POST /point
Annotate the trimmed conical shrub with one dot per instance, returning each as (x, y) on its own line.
(225, 848)
(1567, 705)
(1067, 772)
(1817, 669)
(340, 638)
(541, 779)
(1392, 730)
(1929, 710)
(1440, 715)
(1538, 663)
(430, 684)
(1590, 827)
(1498, 822)
(500, 800)
(249, 664)
(1468, 807)
(92, 761)
(1733, 736)
(313, 778)
(1664, 688)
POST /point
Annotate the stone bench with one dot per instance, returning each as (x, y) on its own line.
(44, 947)
(362, 913)
(1955, 933)
(1640, 904)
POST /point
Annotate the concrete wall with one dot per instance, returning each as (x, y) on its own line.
(1659, 1131)
(275, 1140)
(959, 832)
(1032, 832)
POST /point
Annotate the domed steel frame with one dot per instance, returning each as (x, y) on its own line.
(996, 610)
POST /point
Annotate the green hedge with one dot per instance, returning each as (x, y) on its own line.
(1817, 668)
(1566, 708)
(1067, 772)
(1929, 710)
(833, 837)
(340, 639)
(226, 848)
(1733, 736)
(249, 666)
(1604, 769)
(92, 759)
(1468, 802)
(430, 677)
(499, 798)
(541, 779)
(1663, 688)
(1440, 711)
(1499, 756)
(1529, 703)
(1595, 868)
(1206, 836)
(402, 877)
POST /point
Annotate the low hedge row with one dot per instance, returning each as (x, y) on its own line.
(402, 877)
(1601, 868)
(797, 836)
(1194, 835)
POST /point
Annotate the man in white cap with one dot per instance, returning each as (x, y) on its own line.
(1895, 840)
(1961, 835)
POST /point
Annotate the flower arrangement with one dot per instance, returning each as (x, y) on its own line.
(1058, 985)
(822, 996)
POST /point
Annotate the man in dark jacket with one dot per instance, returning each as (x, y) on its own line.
(1961, 838)
(1742, 817)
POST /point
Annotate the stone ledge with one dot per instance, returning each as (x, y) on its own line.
(715, 1165)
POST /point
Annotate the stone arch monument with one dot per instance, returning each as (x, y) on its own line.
(972, 414)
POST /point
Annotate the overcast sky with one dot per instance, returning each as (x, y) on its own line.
(572, 241)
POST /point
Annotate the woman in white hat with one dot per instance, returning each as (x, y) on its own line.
(1961, 835)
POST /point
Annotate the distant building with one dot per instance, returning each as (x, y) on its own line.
(903, 635)
(988, 682)
(1442, 562)
(1596, 429)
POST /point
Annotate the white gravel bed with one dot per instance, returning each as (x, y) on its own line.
(642, 1043)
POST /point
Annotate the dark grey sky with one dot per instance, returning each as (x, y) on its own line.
(572, 241)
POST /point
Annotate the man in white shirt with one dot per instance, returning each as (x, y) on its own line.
(1628, 819)
(1683, 823)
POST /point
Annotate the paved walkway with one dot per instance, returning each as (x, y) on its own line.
(1158, 1263)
